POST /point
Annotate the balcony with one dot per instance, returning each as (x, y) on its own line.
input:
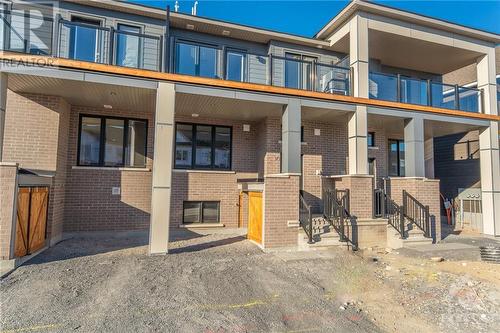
(402, 89)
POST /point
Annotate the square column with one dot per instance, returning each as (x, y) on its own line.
(358, 55)
(290, 137)
(488, 145)
(3, 106)
(358, 142)
(414, 147)
(162, 168)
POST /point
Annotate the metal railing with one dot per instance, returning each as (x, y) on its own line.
(416, 213)
(305, 218)
(399, 88)
(335, 211)
(385, 207)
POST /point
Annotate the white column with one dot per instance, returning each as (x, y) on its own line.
(3, 106)
(358, 142)
(414, 147)
(162, 169)
(290, 137)
(488, 145)
(359, 55)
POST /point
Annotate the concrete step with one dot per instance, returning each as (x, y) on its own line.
(321, 241)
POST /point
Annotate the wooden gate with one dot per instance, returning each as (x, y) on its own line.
(255, 216)
(31, 226)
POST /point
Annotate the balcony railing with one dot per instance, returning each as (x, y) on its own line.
(398, 88)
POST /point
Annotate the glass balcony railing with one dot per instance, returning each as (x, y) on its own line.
(398, 88)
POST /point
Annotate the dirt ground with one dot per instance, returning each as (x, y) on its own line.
(224, 283)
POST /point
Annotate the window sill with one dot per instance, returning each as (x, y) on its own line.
(202, 225)
(203, 171)
(302, 143)
(373, 147)
(79, 167)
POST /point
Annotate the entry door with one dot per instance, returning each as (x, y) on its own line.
(255, 216)
(31, 220)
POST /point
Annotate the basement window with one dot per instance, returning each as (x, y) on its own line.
(112, 142)
(201, 212)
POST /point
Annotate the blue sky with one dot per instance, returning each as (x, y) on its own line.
(307, 17)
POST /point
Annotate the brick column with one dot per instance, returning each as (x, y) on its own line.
(425, 191)
(3, 106)
(360, 194)
(281, 211)
(162, 169)
(8, 196)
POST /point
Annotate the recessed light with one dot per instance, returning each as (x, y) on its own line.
(226, 32)
(189, 26)
(195, 115)
(107, 106)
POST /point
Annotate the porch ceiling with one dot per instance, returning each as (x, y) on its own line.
(85, 93)
(224, 108)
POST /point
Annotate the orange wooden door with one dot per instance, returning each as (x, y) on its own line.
(38, 218)
(23, 208)
(255, 216)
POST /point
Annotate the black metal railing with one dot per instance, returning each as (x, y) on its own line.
(335, 211)
(416, 213)
(385, 207)
(305, 218)
(399, 88)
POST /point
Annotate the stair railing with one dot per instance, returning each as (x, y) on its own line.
(385, 207)
(305, 218)
(416, 213)
(335, 203)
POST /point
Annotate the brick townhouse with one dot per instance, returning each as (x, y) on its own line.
(116, 117)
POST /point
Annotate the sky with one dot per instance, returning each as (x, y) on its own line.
(305, 18)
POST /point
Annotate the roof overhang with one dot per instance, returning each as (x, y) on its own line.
(362, 6)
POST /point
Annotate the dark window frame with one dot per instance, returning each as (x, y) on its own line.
(372, 134)
(102, 140)
(140, 53)
(399, 142)
(200, 211)
(197, 44)
(193, 165)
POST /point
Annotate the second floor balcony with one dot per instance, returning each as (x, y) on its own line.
(125, 45)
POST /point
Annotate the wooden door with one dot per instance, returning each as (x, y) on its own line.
(255, 216)
(31, 220)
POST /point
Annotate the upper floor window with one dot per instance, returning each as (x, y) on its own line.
(85, 39)
(396, 158)
(196, 60)
(202, 146)
(112, 142)
(299, 71)
(236, 65)
(127, 45)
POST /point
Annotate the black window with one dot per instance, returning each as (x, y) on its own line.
(112, 142)
(201, 212)
(371, 139)
(396, 158)
(203, 146)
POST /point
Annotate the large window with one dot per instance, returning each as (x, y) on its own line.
(200, 212)
(236, 66)
(396, 158)
(85, 39)
(127, 45)
(202, 147)
(112, 142)
(196, 60)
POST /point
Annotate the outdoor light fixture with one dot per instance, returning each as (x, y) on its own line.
(317, 132)
(195, 115)
(189, 26)
(226, 32)
(246, 128)
(107, 106)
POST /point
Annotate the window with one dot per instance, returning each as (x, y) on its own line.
(196, 60)
(84, 39)
(298, 71)
(371, 139)
(396, 158)
(202, 147)
(201, 212)
(127, 45)
(236, 66)
(112, 142)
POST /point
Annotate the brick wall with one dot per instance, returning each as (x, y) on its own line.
(360, 194)
(8, 175)
(281, 204)
(424, 190)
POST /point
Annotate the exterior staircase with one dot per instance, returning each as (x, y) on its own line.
(324, 235)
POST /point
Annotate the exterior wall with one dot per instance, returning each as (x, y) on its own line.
(90, 205)
(424, 190)
(360, 194)
(269, 147)
(194, 185)
(281, 205)
(8, 193)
